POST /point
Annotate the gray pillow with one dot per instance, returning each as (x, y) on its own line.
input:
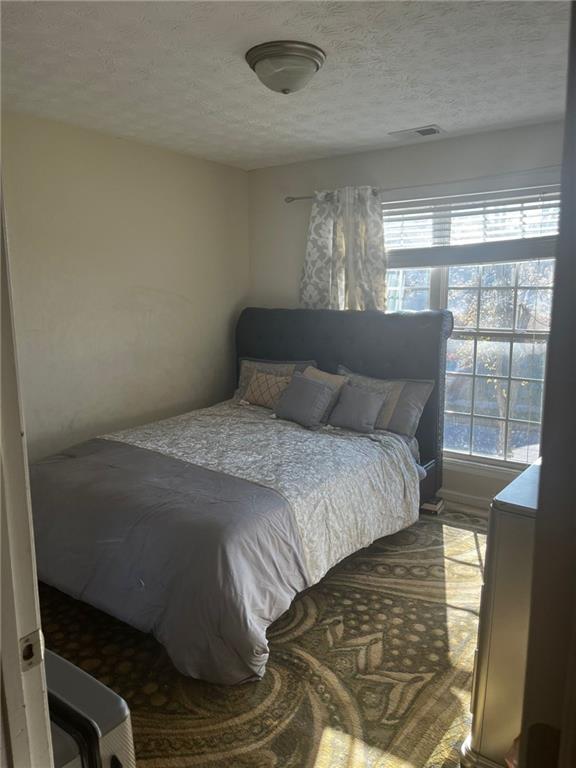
(357, 409)
(404, 403)
(332, 379)
(248, 365)
(305, 401)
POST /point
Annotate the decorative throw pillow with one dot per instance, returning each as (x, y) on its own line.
(278, 367)
(265, 389)
(332, 379)
(337, 380)
(404, 403)
(357, 409)
(305, 401)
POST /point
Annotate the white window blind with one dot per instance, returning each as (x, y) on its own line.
(512, 224)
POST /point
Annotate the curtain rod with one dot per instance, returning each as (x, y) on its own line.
(376, 190)
(292, 199)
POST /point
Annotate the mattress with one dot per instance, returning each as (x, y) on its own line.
(202, 528)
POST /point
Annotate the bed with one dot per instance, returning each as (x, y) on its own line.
(202, 528)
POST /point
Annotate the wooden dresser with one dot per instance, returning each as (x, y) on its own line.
(498, 685)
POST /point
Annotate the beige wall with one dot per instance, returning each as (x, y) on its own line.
(129, 267)
(278, 230)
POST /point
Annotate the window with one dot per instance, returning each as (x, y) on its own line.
(495, 359)
(488, 259)
(408, 289)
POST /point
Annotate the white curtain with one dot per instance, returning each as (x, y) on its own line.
(345, 263)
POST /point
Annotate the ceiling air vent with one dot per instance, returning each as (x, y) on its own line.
(421, 131)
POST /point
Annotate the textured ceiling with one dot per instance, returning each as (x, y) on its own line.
(173, 73)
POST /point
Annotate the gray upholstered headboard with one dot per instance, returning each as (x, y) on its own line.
(387, 346)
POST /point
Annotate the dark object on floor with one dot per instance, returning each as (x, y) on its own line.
(434, 506)
(376, 657)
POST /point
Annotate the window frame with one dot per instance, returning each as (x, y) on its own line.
(496, 252)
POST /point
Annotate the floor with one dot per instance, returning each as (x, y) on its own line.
(370, 668)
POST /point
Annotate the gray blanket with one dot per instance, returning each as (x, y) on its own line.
(204, 560)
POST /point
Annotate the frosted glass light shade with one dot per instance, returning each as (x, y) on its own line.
(285, 66)
(285, 74)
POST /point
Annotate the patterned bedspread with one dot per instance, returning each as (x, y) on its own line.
(345, 489)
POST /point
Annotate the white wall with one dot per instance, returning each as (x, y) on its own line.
(130, 264)
(278, 230)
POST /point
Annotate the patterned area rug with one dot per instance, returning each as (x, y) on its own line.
(370, 668)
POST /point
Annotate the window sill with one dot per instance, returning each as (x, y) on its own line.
(481, 466)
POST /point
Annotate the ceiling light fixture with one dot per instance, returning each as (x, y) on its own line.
(285, 66)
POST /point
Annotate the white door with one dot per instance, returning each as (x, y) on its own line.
(25, 722)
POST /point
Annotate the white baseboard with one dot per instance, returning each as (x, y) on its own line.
(465, 502)
(501, 471)
(471, 485)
